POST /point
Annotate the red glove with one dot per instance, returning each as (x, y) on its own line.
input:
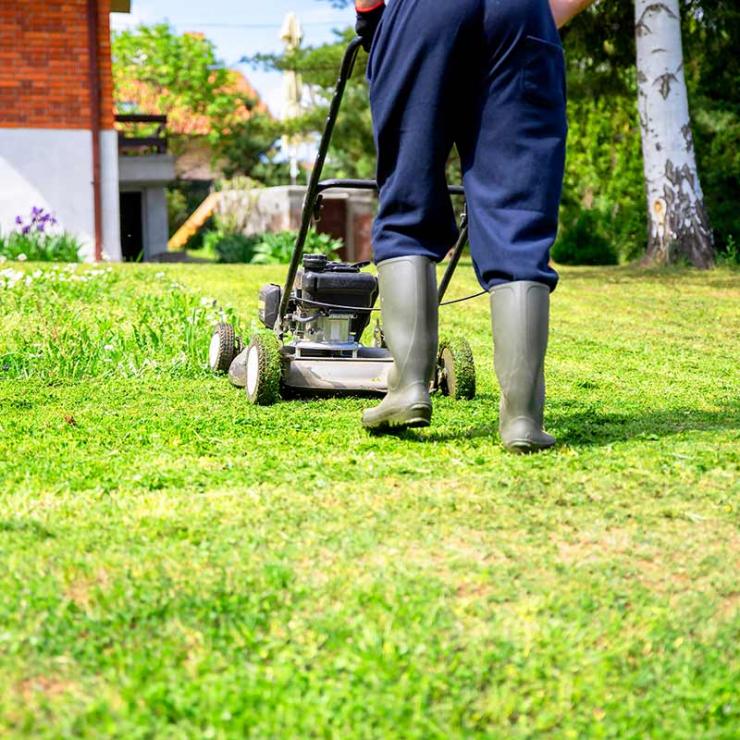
(369, 13)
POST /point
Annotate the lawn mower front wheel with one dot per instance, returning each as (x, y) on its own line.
(264, 370)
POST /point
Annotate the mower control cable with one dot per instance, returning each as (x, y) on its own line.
(359, 309)
(466, 298)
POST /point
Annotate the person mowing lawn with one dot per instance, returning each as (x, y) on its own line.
(486, 76)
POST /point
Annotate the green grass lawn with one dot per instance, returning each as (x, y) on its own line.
(175, 562)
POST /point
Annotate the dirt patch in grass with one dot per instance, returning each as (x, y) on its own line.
(596, 548)
(48, 686)
(442, 556)
(81, 591)
(670, 563)
(729, 607)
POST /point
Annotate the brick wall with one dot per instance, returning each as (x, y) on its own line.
(44, 64)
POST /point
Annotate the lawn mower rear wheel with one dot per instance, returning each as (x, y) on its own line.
(456, 369)
(224, 347)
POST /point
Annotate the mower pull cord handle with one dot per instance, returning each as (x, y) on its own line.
(348, 65)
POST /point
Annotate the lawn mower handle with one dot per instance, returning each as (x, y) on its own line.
(316, 187)
(345, 72)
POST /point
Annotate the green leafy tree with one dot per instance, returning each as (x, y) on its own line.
(712, 69)
(353, 151)
(182, 70)
(600, 46)
(181, 76)
(247, 147)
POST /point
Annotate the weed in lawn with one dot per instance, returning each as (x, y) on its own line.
(79, 322)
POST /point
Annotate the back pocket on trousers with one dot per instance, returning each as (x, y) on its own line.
(544, 72)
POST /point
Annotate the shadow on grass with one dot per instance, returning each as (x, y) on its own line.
(589, 428)
(721, 278)
(25, 526)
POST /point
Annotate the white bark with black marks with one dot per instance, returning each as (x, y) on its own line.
(678, 223)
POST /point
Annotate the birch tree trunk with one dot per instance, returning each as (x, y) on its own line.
(678, 222)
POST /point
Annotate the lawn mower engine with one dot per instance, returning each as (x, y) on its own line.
(329, 308)
(328, 312)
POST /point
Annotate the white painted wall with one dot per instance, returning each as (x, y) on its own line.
(144, 171)
(52, 169)
(156, 227)
(109, 195)
(150, 176)
(280, 209)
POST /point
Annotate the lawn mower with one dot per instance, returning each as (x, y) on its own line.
(315, 322)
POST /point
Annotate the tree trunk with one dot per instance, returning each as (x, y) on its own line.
(678, 223)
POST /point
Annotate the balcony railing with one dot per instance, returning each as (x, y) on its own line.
(141, 134)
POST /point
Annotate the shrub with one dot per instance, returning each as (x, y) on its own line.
(36, 240)
(718, 153)
(277, 249)
(177, 209)
(264, 249)
(582, 243)
(230, 248)
(604, 175)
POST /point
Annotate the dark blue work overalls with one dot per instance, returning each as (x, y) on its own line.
(487, 76)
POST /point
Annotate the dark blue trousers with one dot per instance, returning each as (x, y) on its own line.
(486, 76)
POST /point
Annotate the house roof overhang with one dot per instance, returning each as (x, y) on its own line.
(120, 6)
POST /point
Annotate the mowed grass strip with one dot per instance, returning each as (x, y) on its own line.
(177, 562)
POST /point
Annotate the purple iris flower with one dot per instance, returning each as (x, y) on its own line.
(38, 221)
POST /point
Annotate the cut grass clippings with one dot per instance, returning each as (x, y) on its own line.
(176, 562)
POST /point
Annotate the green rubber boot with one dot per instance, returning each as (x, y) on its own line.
(520, 313)
(409, 305)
